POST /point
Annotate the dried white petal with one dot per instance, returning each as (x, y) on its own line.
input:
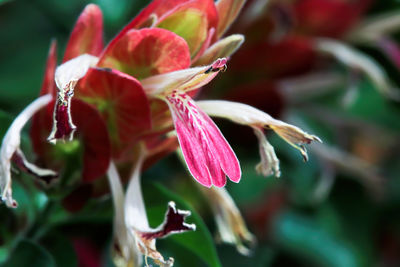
(10, 145)
(269, 164)
(230, 223)
(182, 80)
(73, 70)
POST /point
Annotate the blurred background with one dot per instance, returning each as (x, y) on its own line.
(307, 62)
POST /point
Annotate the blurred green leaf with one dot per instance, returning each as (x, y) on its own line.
(61, 249)
(306, 239)
(5, 121)
(28, 253)
(199, 242)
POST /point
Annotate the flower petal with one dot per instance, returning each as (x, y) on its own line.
(122, 103)
(206, 152)
(137, 224)
(66, 77)
(146, 52)
(232, 228)
(10, 145)
(174, 222)
(87, 35)
(269, 161)
(44, 175)
(183, 80)
(125, 242)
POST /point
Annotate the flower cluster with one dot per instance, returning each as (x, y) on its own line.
(129, 103)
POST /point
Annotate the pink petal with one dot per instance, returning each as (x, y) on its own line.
(206, 152)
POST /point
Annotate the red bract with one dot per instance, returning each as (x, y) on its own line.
(86, 38)
(92, 132)
(146, 52)
(122, 102)
(204, 11)
(87, 35)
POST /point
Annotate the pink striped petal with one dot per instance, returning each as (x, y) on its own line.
(207, 153)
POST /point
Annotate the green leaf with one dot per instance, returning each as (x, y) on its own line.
(199, 242)
(5, 122)
(28, 253)
(304, 237)
(61, 249)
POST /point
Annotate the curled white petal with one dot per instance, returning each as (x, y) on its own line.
(125, 240)
(182, 80)
(11, 143)
(269, 164)
(74, 69)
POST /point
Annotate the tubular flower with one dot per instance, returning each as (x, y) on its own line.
(133, 235)
(208, 155)
(247, 115)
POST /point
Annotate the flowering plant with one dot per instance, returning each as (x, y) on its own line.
(123, 107)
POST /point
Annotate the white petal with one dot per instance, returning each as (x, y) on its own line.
(126, 241)
(74, 69)
(135, 211)
(11, 143)
(182, 80)
(230, 223)
(269, 161)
